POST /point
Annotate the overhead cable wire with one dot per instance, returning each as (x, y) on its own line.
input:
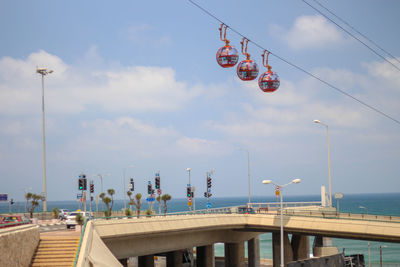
(298, 67)
(352, 35)
(357, 31)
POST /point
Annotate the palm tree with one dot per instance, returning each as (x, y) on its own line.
(138, 197)
(111, 192)
(28, 196)
(107, 200)
(79, 219)
(165, 198)
(137, 203)
(158, 199)
(56, 212)
(34, 202)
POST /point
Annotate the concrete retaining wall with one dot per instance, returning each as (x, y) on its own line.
(17, 245)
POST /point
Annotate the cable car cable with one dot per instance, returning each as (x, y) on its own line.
(298, 67)
(352, 35)
(357, 31)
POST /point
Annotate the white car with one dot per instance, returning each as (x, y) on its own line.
(63, 214)
(70, 220)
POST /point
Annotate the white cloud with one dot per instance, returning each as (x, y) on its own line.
(290, 110)
(309, 32)
(70, 89)
(199, 146)
(145, 34)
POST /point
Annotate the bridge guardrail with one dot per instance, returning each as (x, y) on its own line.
(306, 209)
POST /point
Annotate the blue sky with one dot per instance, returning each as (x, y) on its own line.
(136, 82)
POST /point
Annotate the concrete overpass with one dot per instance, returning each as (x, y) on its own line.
(111, 242)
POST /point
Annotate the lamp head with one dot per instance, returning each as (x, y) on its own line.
(188, 169)
(317, 121)
(267, 181)
(296, 181)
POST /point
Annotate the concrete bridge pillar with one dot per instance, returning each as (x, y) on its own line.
(253, 249)
(300, 246)
(205, 256)
(276, 249)
(323, 247)
(146, 261)
(174, 258)
(124, 262)
(234, 254)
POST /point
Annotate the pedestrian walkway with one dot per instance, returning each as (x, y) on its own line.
(57, 249)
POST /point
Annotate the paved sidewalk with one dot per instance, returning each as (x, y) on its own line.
(69, 232)
(50, 222)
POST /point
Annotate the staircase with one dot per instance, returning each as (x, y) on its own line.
(56, 251)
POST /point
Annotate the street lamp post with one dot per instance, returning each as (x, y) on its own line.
(280, 188)
(329, 160)
(101, 180)
(248, 172)
(369, 243)
(130, 166)
(43, 72)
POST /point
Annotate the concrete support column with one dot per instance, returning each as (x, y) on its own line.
(234, 254)
(253, 249)
(146, 261)
(124, 262)
(323, 247)
(205, 256)
(276, 249)
(300, 247)
(174, 258)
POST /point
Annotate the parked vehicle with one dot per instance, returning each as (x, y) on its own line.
(13, 220)
(63, 214)
(246, 210)
(70, 220)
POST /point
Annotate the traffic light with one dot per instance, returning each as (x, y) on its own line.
(132, 185)
(189, 191)
(149, 189)
(208, 182)
(157, 182)
(91, 188)
(82, 185)
(207, 194)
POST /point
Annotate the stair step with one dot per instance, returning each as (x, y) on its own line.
(58, 245)
(58, 264)
(60, 242)
(56, 254)
(56, 251)
(54, 258)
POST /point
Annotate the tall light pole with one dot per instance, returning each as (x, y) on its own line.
(248, 171)
(130, 166)
(101, 180)
(43, 72)
(329, 160)
(280, 188)
(369, 243)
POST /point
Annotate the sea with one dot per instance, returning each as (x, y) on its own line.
(378, 204)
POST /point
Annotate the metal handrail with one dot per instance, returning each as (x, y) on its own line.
(80, 242)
